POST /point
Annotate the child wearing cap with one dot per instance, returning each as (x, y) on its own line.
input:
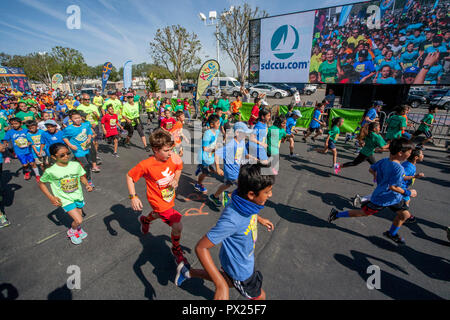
(51, 136)
(291, 122)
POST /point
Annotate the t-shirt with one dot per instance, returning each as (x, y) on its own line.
(364, 68)
(328, 71)
(372, 114)
(236, 105)
(36, 140)
(237, 230)
(3, 125)
(260, 131)
(18, 138)
(274, 137)
(391, 63)
(48, 139)
(255, 113)
(224, 105)
(290, 123)
(408, 58)
(61, 108)
(428, 118)
(149, 105)
(131, 112)
(233, 154)
(176, 132)
(110, 123)
(78, 136)
(433, 74)
(334, 133)
(314, 123)
(157, 177)
(178, 107)
(89, 110)
(371, 142)
(389, 174)
(395, 125)
(209, 141)
(65, 182)
(98, 101)
(410, 170)
(388, 80)
(25, 116)
(168, 123)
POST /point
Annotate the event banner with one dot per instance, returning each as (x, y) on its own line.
(127, 69)
(107, 68)
(16, 76)
(383, 42)
(56, 80)
(207, 72)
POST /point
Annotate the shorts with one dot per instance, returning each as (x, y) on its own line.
(138, 126)
(170, 216)
(370, 208)
(25, 158)
(312, 130)
(331, 145)
(110, 139)
(74, 205)
(427, 134)
(230, 182)
(205, 169)
(250, 288)
(98, 134)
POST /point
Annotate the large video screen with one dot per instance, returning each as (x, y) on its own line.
(373, 42)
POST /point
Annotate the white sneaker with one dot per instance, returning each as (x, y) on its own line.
(357, 201)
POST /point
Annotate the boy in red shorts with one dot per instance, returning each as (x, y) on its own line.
(110, 123)
(161, 173)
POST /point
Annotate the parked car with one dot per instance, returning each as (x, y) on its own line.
(187, 87)
(437, 93)
(415, 100)
(442, 101)
(309, 89)
(283, 86)
(90, 91)
(269, 90)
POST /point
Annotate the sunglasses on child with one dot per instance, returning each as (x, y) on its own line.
(62, 155)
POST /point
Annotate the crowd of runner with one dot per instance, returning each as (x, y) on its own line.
(42, 129)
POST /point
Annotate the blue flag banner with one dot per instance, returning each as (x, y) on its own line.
(385, 5)
(127, 74)
(345, 13)
(435, 4)
(107, 68)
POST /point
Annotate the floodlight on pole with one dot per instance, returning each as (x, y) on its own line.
(213, 15)
(202, 17)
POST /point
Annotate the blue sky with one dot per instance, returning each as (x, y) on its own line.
(120, 30)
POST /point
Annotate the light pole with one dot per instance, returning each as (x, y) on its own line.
(215, 22)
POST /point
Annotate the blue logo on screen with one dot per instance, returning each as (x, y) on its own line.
(284, 42)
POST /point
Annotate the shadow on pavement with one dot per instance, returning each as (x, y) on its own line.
(8, 292)
(326, 174)
(62, 293)
(332, 199)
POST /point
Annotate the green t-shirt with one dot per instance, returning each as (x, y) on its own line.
(429, 118)
(117, 106)
(131, 111)
(178, 108)
(98, 101)
(334, 133)
(30, 102)
(3, 125)
(25, 116)
(274, 137)
(89, 110)
(371, 142)
(136, 98)
(395, 125)
(149, 105)
(328, 71)
(224, 105)
(65, 182)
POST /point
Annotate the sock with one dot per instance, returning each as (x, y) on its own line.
(393, 231)
(343, 214)
(175, 240)
(36, 172)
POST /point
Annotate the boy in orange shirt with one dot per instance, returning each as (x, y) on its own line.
(177, 132)
(236, 105)
(161, 173)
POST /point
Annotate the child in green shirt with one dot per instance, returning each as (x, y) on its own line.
(425, 126)
(333, 135)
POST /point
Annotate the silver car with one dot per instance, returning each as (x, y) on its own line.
(269, 90)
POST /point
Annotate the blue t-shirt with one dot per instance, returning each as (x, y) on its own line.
(392, 63)
(61, 108)
(76, 103)
(388, 80)
(389, 174)
(18, 138)
(372, 114)
(233, 155)
(78, 137)
(237, 230)
(364, 68)
(48, 139)
(431, 49)
(260, 130)
(209, 141)
(410, 170)
(408, 58)
(433, 74)
(36, 140)
(51, 111)
(290, 123)
(315, 124)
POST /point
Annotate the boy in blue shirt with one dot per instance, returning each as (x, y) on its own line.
(17, 137)
(34, 136)
(410, 175)
(206, 154)
(290, 126)
(237, 230)
(389, 193)
(234, 154)
(315, 124)
(49, 137)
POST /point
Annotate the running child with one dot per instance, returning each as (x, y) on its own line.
(34, 136)
(396, 124)
(186, 108)
(291, 122)
(389, 175)
(167, 122)
(150, 109)
(17, 137)
(275, 136)
(162, 173)
(425, 126)
(237, 230)
(50, 136)
(177, 133)
(110, 123)
(316, 123)
(257, 144)
(206, 154)
(233, 154)
(330, 141)
(235, 107)
(64, 178)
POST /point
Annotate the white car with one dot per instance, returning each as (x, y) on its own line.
(309, 89)
(269, 90)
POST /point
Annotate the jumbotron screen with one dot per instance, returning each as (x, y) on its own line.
(372, 42)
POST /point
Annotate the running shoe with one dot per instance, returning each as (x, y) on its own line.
(304, 139)
(200, 188)
(27, 176)
(145, 225)
(411, 219)
(225, 198)
(293, 156)
(337, 168)
(178, 255)
(95, 170)
(357, 201)
(7, 160)
(91, 184)
(116, 155)
(74, 237)
(397, 239)
(215, 200)
(182, 274)
(3, 221)
(82, 234)
(332, 215)
(348, 137)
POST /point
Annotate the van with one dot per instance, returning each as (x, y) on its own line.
(228, 85)
(166, 85)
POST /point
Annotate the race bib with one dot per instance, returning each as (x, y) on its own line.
(238, 155)
(169, 125)
(36, 139)
(69, 185)
(21, 142)
(27, 118)
(329, 79)
(112, 122)
(360, 68)
(168, 194)
(85, 145)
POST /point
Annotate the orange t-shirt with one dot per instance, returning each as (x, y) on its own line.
(176, 132)
(236, 105)
(157, 176)
(406, 117)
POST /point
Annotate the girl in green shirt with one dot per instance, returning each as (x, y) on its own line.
(332, 137)
(396, 124)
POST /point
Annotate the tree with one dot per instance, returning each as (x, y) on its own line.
(233, 36)
(70, 63)
(151, 84)
(176, 49)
